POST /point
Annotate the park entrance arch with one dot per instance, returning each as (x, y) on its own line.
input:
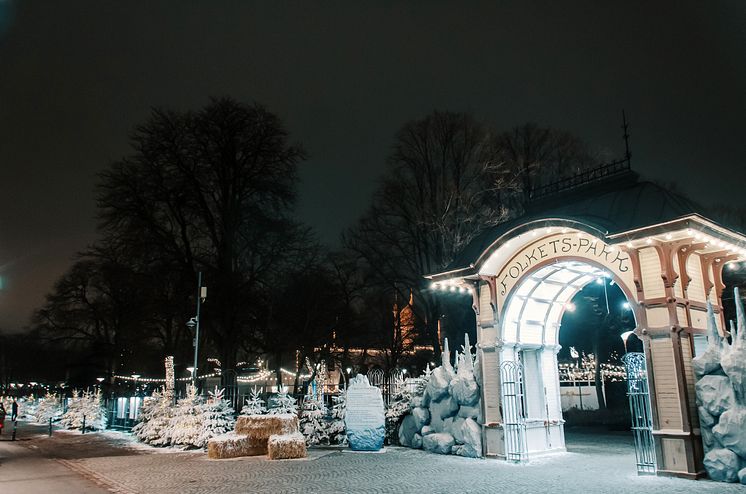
(666, 258)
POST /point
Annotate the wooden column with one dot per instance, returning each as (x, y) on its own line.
(485, 306)
(675, 423)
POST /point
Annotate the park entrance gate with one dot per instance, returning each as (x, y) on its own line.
(666, 258)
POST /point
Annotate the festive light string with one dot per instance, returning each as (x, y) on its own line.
(262, 375)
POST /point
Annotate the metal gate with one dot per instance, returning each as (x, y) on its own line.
(639, 407)
(514, 411)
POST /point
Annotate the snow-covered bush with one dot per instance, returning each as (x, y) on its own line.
(85, 407)
(48, 408)
(283, 404)
(336, 430)
(217, 416)
(194, 422)
(313, 422)
(399, 406)
(254, 404)
(154, 427)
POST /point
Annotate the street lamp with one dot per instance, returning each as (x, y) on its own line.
(193, 323)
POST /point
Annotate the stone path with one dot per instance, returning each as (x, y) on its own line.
(594, 464)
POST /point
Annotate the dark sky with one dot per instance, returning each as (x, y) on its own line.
(76, 76)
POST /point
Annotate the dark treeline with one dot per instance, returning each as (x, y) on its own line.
(214, 191)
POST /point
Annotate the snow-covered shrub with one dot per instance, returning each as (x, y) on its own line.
(86, 406)
(399, 405)
(254, 404)
(194, 422)
(313, 423)
(48, 407)
(283, 404)
(336, 430)
(154, 426)
(217, 416)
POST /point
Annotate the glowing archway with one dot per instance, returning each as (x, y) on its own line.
(666, 258)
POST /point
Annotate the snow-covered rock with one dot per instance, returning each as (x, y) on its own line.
(470, 412)
(715, 394)
(437, 386)
(472, 436)
(705, 419)
(440, 443)
(407, 430)
(447, 407)
(742, 475)
(722, 465)
(709, 440)
(421, 417)
(733, 359)
(458, 434)
(731, 430)
(709, 361)
(427, 430)
(417, 441)
(464, 390)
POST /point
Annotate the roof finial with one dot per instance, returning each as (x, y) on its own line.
(625, 127)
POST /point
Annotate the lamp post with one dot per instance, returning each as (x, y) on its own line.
(194, 323)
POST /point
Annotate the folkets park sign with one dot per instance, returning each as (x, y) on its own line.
(562, 247)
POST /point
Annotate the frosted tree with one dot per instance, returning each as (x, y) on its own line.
(154, 427)
(48, 408)
(73, 416)
(217, 417)
(186, 423)
(254, 404)
(284, 404)
(313, 422)
(85, 407)
(399, 406)
(336, 429)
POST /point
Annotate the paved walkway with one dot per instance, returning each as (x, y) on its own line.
(24, 469)
(594, 464)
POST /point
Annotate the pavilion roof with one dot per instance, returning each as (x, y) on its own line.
(611, 207)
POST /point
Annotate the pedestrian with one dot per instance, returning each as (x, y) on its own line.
(2, 417)
(14, 411)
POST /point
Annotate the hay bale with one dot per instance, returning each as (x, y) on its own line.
(232, 445)
(286, 446)
(260, 427)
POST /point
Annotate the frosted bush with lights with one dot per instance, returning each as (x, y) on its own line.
(444, 416)
(254, 404)
(721, 398)
(154, 426)
(86, 407)
(48, 407)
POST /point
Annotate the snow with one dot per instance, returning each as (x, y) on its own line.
(721, 398)
(448, 408)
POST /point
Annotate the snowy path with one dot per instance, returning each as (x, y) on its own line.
(594, 464)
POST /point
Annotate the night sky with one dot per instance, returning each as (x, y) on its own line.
(344, 76)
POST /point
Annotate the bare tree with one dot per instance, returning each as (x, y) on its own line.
(436, 196)
(211, 191)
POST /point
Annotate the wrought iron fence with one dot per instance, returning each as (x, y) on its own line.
(514, 411)
(642, 418)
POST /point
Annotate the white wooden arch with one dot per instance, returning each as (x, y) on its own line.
(668, 271)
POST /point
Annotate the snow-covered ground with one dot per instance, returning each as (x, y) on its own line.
(594, 464)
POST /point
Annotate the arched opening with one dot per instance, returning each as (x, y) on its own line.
(551, 296)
